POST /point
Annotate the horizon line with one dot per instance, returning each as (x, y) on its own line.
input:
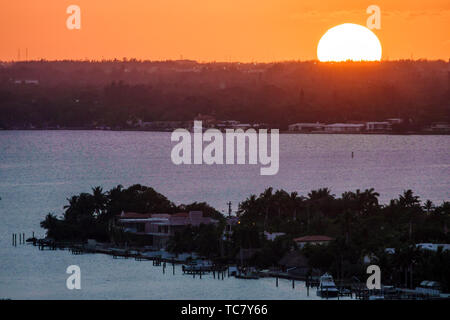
(125, 60)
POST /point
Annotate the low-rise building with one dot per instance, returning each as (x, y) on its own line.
(272, 236)
(344, 127)
(313, 240)
(378, 126)
(395, 120)
(433, 246)
(440, 127)
(306, 127)
(161, 226)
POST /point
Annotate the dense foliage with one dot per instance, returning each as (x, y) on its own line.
(361, 228)
(89, 215)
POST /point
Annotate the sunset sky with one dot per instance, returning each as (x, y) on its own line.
(215, 30)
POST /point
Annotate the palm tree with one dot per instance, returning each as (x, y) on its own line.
(266, 198)
(99, 200)
(408, 199)
(428, 206)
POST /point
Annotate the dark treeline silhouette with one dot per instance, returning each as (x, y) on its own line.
(109, 93)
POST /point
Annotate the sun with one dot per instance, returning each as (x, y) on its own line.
(349, 41)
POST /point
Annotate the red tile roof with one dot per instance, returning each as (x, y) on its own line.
(315, 238)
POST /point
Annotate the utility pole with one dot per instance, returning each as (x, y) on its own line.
(229, 208)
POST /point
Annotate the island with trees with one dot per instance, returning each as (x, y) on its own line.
(363, 230)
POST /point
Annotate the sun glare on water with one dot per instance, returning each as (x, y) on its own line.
(349, 41)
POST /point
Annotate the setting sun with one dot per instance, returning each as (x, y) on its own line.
(349, 41)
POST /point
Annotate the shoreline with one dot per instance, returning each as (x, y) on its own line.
(389, 133)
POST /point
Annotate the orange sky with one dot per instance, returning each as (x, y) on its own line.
(215, 30)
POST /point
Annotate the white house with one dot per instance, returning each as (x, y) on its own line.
(378, 126)
(345, 127)
(306, 126)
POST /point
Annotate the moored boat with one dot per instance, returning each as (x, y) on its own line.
(327, 287)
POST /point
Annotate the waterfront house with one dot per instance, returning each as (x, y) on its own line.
(161, 226)
(439, 127)
(395, 120)
(306, 127)
(433, 246)
(378, 126)
(344, 127)
(312, 240)
(430, 288)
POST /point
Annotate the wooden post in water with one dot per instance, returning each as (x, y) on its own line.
(277, 281)
(293, 284)
(307, 286)
(24, 238)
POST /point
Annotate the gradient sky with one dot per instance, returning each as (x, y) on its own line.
(215, 30)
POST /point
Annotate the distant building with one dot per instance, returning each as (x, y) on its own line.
(439, 127)
(433, 246)
(312, 240)
(378, 126)
(232, 124)
(272, 236)
(160, 125)
(431, 288)
(243, 126)
(305, 127)
(33, 82)
(395, 120)
(344, 127)
(160, 226)
(207, 120)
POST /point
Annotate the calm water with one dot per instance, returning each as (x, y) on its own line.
(40, 169)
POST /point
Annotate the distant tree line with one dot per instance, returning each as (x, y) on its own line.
(110, 93)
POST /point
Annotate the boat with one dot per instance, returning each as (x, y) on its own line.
(327, 288)
(250, 273)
